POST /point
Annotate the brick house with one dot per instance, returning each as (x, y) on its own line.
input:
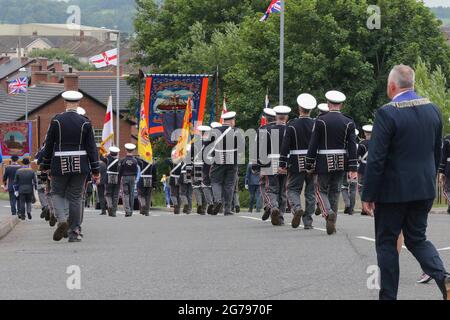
(44, 101)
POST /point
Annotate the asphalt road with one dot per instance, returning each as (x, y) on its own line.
(204, 257)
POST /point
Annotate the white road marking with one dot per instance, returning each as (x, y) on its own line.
(373, 240)
(444, 249)
(251, 218)
(289, 224)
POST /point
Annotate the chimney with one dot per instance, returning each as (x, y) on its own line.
(54, 78)
(58, 66)
(70, 82)
(39, 77)
(35, 67)
(43, 62)
(4, 60)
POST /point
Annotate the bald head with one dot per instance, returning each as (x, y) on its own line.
(402, 78)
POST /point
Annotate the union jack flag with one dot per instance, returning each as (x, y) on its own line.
(18, 86)
(274, 7)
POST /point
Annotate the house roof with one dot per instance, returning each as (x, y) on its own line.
(12, 66)
(12, 108)
(47, 41)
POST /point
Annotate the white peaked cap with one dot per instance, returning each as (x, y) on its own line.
(335, 96)
(204, 128)
(306, 101)
(215, 125)
(229, 115)
(368, 128)
(81, 111)
(73, 96)
(114, 150)
(282, 110)
(130, 146)
(323, 107)
(270, 112)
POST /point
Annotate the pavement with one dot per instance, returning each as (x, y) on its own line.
(204, 257)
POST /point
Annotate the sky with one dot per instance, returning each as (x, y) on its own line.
(437, 3)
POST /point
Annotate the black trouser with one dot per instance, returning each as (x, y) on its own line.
(14, 202)
(390, 220)
(101, 196)
(25, 200)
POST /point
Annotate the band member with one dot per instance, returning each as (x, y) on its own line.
(146, 183)
(331, 151)
(293, 161)
(349, 189)
(224, 152)
(127, 174)
(174, 183)
(257, 165)
(363, 154)
(276, 187)
(113, 183)
(202, 189)
(70, 153)
(323, 109)
(186, 190)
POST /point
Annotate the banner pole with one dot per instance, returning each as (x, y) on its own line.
(282, 52)
(118, 92)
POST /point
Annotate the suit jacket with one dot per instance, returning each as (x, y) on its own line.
(404, 152)
(9, 175)
(25, 180)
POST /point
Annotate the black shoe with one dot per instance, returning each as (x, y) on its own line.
(147, 214)
(47, 215)
(228, 214)
(22, 218)
(347, 210)
(62, 229)
(43, 213)
(103, 213)
(448, 210)
(237, 209)
(29, 216)
(250, 210)
(52, 221)
(363, 213)
(331, 223)
(299, 213)
(176, 210)
(275, 215)
(186, 208)
(351, 212)
(266, 214)
(75, 237)
(318, 212)
(308, 227)
(199, 209)
(217, 209)
(210, 209)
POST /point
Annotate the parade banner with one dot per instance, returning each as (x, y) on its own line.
(16, 139)
(166, 98)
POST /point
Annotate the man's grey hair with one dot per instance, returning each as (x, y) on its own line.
(403, 76)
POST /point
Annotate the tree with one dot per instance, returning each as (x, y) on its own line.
(433, 85)
(328, 46)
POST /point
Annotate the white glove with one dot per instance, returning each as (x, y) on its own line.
(246, 186)
(16, 193)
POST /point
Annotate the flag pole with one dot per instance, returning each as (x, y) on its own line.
(282, 52)
(118, 92)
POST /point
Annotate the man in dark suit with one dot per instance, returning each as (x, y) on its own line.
(8, 183)
(101, 186)
(24, 184)
(400, 180)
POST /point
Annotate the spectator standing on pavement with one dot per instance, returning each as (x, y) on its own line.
(25, 183)
(8, 184)
(166, 189)
(252, 185)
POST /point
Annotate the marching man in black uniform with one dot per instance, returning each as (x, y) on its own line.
(186, 179)
(128, 170)
(349, 189)
(145, 185)
(276, 191)
(261, 136)
(293, 161)
(113, 183)
(363, 154)
(444, 170)
(331, 151)
(70, 153)
(202, 191)
(174, 183)
(223, 151)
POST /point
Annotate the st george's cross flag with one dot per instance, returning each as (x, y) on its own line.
(274, 7)
(108, 129)
(105, 59)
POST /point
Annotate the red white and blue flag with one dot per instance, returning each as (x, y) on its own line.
(18, 86)
(274, 7)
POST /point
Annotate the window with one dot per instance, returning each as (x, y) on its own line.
(98, 136)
